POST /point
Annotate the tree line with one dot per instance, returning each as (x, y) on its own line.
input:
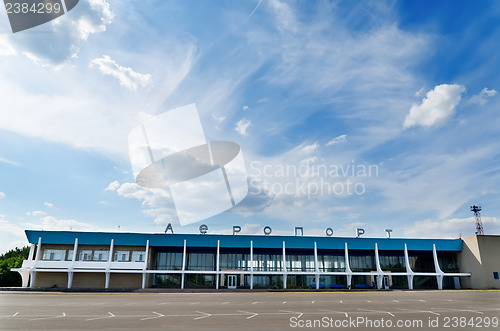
(12, 259)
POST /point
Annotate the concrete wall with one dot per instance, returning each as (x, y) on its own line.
(119, 280)
(480, 256)
(51, 279)
(89, 280)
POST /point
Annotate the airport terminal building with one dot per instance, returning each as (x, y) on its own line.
(67, 259)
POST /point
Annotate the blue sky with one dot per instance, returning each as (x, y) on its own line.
(407, 89)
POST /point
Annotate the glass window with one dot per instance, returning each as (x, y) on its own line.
(422, 263)
(265, 281)
(392, 263)
(101, 255)
(267, 262)
(234, 261)
(199, 281)
(168, 261)
(69, 257)
(53, 254)
(138, 256)
(362, 263)
(85, 255)
(300, 262)
(200, 261)
(167, 280)
(448, 263)
(331, 263)
(122, 256)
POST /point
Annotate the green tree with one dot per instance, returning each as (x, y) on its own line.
(12, 259)
(22, 252)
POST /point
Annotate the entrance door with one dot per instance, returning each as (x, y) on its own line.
(231, 282)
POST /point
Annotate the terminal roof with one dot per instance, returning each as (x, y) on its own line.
(239, 241)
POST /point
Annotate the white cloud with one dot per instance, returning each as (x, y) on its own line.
(94, 116)
(10, 162)
(361, 71)
(35, 59)
(246, 229)
(245, 107)
(218, 118)
(48, 204)
(50, 223)
(86, 26)
(2, 195)
(487, 92)
(437, 107)
(451, 228)
(242, 127)
(316, 60)
(161, 215)
(285, 17)
(435, 180)
(149, 196)
(6, 47)
(36, 213)
(157, 203)
(126, 76)
(310, 148)
(112, 186)
(11, 236)
(41, 62)
(420, 92)
(481, 98)
(337, 140)
(67, 33)
(341, 208)
(294, 185)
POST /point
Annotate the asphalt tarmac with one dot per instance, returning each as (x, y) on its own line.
(370, 310)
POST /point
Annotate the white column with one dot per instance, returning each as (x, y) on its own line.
(183, 264)
(108, 267)
(316, 268)
(348, 267)
(284, 266)
(439, 272)
(32, 252)
(26, 275)
(380, 273)
(73, 259)
(217, 276)
(251, 264)
(39, 249)
(408, 269)
(70, 278)
(37, 257)
(146, 259)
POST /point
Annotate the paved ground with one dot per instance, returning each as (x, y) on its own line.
(421, 310)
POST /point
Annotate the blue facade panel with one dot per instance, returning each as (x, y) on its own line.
(239, 241)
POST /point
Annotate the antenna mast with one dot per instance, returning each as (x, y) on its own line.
(479, 225)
